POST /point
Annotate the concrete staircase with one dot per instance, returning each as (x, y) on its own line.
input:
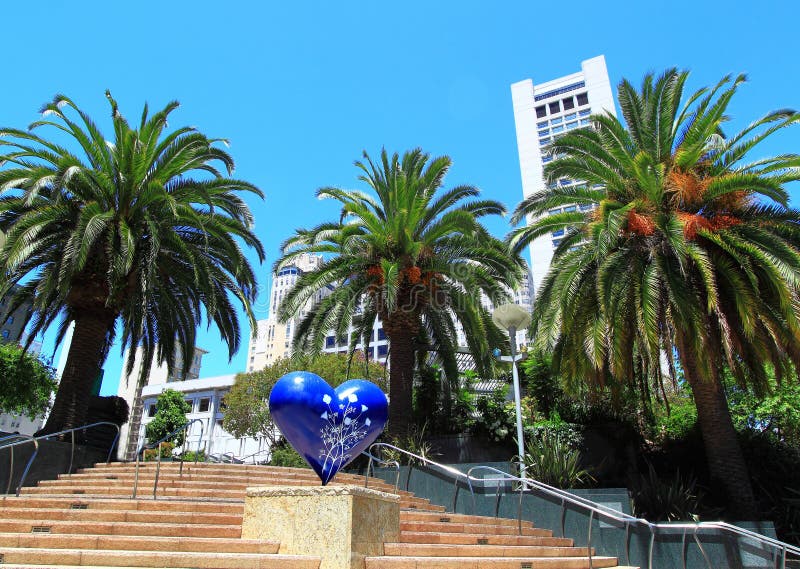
(89, 519)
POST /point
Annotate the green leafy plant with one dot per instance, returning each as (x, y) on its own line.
(27, 383)
(495, 416)
(191, 455)
(552, 460)
(171, 411)
(414, 442)
(665, 500)
(165, 449)
(284, 455)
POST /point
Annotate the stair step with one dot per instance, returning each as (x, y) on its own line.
(439, 527)
(451, 550)
(485, 539)
(412, 516)
(421, 562)
(120, 528)
(151, 543)
(126, 516)
(165, 559)
(140, 504)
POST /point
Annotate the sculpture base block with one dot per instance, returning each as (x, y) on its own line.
(340, 524)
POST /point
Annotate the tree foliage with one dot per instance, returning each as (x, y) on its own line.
(171, 409)
(27, 383)
(247, 404)
(411, 253)
(682, 244)
(142, 229)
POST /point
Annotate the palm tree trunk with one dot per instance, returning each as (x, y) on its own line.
(401, 378)
(87, 353)
(726, 463)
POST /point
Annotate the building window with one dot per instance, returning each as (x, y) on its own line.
(544, 141)
(190, 403)
(205, 405)
(6, 334)
(585, 112)
(569, 103)
(571, 116)
(544, 132)
(583, 99)
(151, 410)
(556, 242)
(558, 233)
(554, 211)
(10, 320)
(541, 112)
(569, 209)
(586, 121)
(383, 350)
(556, 120)
(542, 124)
(572, 124)
(555, 107)
(381, 334)
(558, 129)
(546, 159)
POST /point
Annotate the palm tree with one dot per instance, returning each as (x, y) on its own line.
(690, 249)
(122, 231)
(416, 257)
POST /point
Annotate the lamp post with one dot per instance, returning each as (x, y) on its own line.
(512, 317)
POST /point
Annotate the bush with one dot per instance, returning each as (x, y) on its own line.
(552, 460)
(171, 411)
(166, 451)
(27, 383)
(495, 421)
(285, 455)
(191, 455)
(666, 500)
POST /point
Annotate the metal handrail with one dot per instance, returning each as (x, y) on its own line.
(778, 547)
(83, 428)
(381, 461)
(157, 444)
(20, 439)
(426, 461)
(35, 440)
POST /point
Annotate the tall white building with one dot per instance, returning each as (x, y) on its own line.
(129, 439)
(543, 112)
(273, 340)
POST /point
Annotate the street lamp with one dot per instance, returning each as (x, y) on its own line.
(513, 317)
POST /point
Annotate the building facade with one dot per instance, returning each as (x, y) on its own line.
(129, 438)
(542, 113)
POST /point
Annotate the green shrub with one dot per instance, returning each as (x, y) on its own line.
(190, 455)
(166, 451)
(681, 421)
(496, 419)
(26, 383)
(171, 409)
(552, 460)
(666, 500)
(285, 455)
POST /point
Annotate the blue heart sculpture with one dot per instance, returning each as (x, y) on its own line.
(328, 427)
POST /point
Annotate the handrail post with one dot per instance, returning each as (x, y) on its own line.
(519, 510)
(113, 445)
(589, 539)
(72, 452)
(158, 469)
(366, 476)
(10, 468)
(136, 474)
(28, 466)
(652, 546)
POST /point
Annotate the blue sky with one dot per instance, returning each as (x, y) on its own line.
(301, 88)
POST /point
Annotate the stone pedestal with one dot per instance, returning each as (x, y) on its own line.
(340, 524)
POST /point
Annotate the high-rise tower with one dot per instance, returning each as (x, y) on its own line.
(544, 112)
